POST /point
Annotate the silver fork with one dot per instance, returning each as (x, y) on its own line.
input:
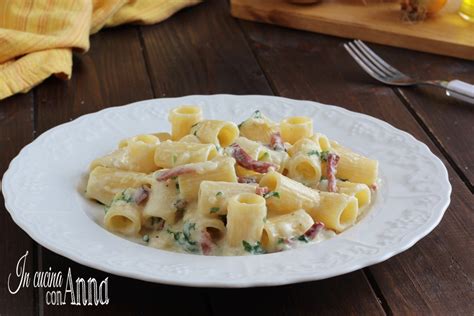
(382, 71)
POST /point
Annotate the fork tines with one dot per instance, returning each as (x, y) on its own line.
(371, 62)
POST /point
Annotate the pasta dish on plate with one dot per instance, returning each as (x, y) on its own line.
(212, 187)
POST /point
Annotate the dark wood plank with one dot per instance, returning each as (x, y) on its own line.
(112, 73)
(204, 51)
(448, 119)
(435, 276)
(310, 298)
(16, 130)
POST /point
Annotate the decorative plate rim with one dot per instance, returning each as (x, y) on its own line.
(386, 253)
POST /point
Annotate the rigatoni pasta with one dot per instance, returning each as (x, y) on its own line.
(295, 128)
(286, 195)
(279, 229)
(182, 119)
(246, 215)
(171, 154)
(220, 133)
(104, 183)
(134, 154)
(214, 196)
(214, 188)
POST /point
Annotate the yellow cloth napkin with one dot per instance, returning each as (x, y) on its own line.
(37, 36)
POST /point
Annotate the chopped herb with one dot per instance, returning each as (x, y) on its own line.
(303, 238)
(218, 194)
(177, 186)
(213, 210)
(240, 125)
(265, 219)
(314, 153)
(280, 241)
(175, 158)
(266, 155)
(323, 178)
(344, 180)
(187, 232)
(255, 249)
(184, 238)
(124, 196)
(146, 238)
(324, 155)
(195, 133)
(271, 194)
(176, 235)
(218, 148)
(106, 209)
(257, 114)
(174, 178)
(195, 124)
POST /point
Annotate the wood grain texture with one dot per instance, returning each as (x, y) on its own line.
(112, 73)
(378, 22)
(201, 51)
(16, 131)
(432, 276)
(310, 298)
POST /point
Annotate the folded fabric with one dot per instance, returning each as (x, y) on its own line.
(37, 36)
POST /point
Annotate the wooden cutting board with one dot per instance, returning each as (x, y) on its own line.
(379, 23)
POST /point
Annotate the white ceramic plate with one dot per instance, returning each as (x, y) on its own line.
(43, 194)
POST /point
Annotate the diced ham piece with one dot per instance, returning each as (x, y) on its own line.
(276, 143)
(261, 190)
(332, 161)
(244, 160)
(174, 172)
(206, 243)
(141, 194)
(373, 187)
(247, 180)
(313, 231)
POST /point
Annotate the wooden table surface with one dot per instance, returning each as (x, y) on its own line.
(203, 50)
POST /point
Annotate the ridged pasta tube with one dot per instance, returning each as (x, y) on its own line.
(289, 195)
(246, 213)
(336, 210)
(221, 133)
(104, 183)
(171, 154)
(134, 154)
(182, 119)
(221, 169)
(214, 196)
(123, 216)
(294, 128)
(285, 227)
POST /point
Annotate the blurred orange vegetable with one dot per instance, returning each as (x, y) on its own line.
(417, 10)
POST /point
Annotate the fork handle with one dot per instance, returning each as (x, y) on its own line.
(461, 90)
